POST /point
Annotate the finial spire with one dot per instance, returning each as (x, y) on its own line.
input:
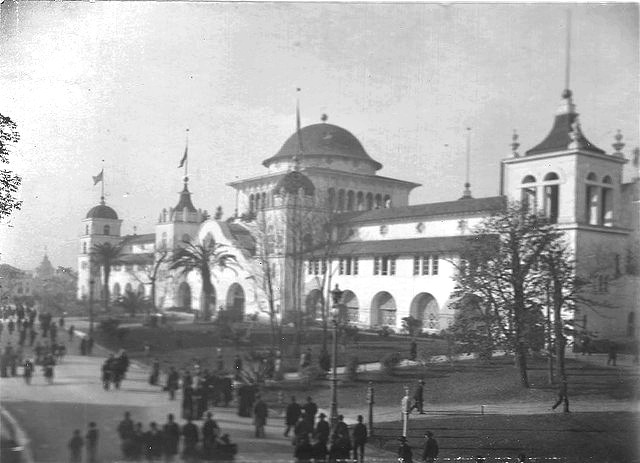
(619, 144)
(466, 194)
(515, 144)
(296, 157)
(567, 72)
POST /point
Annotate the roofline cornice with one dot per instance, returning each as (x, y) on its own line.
(555, 154)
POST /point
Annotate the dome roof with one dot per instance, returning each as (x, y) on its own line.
(102, 211)
(323, 140)
(291, 182)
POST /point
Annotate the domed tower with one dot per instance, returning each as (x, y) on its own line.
(179, 223)
(101, 225)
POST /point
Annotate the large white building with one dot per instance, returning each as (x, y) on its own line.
(394, 258)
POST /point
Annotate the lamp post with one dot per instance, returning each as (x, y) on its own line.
(91, 282)
(336, 295)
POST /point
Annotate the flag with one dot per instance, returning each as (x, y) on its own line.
(184, 158)
(98, 178)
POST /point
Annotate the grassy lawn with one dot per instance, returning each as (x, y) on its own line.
(577, 437)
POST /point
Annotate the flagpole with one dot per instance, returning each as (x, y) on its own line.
(102, 186)
(186, 161)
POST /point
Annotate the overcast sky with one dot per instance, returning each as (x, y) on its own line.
(121, 81)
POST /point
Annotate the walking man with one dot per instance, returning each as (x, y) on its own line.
(359, 439)
(291, 416)
(323, 429)
(75, 447)
(92, 443)
(430, 450)
(260, 414)
(310, 409)
(210, 432)
(405, 455)
(171, 435)
(562, 396)
(418, 397)
(28, 371)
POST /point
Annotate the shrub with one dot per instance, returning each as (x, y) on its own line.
(385, 331)
(310, 374)
(389, 362)
(352, 368)
(109, 326)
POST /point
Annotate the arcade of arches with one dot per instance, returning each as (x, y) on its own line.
(235, 303)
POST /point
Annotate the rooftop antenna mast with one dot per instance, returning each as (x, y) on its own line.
(567, 71)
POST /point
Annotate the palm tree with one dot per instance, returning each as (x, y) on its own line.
(105, 255)
(202, 258)
(132, 301)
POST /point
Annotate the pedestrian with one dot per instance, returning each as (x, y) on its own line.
(405, 455)
(302, 430)
(75, 447)
(137, 443)
(612, 353)
(310, 409)
(323, 430)
(563, 396)
(155, 372)
(413, 350)
(190, 435)
(324, 360)
(126, 432)
(171, 435)
(359, 439)
(83, 346)
(219, 361)
(153, 442)
(319, 451)
(237, 367)
(61, 321)
(210, 433)
(341, 429)
(92, 442)
(107, 372)
(173, 379)
(71, 332)
(187, 403)
(47, 365)
(260, 414)
(28, 371)
(292, 414)
(430, 450)
(89, 345)
(303, 451)
(418, 398)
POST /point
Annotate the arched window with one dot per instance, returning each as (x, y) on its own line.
(378, 203)
(331, 198)
(340, 200)
(251, 203)
(551, 196)
(387, 201)
(360, 201)
(528, 195)
(106, 229)
(350, 200)
(592, 200)
(606, 202)
(264, 200)
(369, 201)
(164, 239)
(86, 229)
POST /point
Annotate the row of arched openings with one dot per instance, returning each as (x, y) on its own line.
(116, 291)
(383, 308)
(234, 304)
(349, 200)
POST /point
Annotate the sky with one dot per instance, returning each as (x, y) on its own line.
(118, 83)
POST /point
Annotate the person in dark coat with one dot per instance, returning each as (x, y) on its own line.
(323, 429)
(89, 345)
(171, 435)
(155, 372)
(153, 442)
(136, 445)
(418, 398)
(75, 447)
(226, 449)
(173, 379)
(324, 360)
(126, 433)
(612, 353)
(48, 363)
(226, 389)
(359, 436)
(28, 371)
(187, 403)
(430, 450)
(210, 433)
(302, 429)
(310, 409)
(319, 451)
(260, 414)
(190, 435)
(106, 373)
(405, 455)
(303, 451)
(91, 439)
(341, 429)
(83, 346)
(71, 332)
(563, 396)
(292, 414)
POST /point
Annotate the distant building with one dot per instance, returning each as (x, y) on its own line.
(394, 259)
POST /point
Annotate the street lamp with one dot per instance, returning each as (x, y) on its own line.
(91, 282)
(336, 295)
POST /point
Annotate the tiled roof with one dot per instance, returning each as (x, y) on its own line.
(137, 258)
(185, 201)
(139, 239)
(420, 211)
(403, 247)
(323, 140)
(558, 138)
(241, 235)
